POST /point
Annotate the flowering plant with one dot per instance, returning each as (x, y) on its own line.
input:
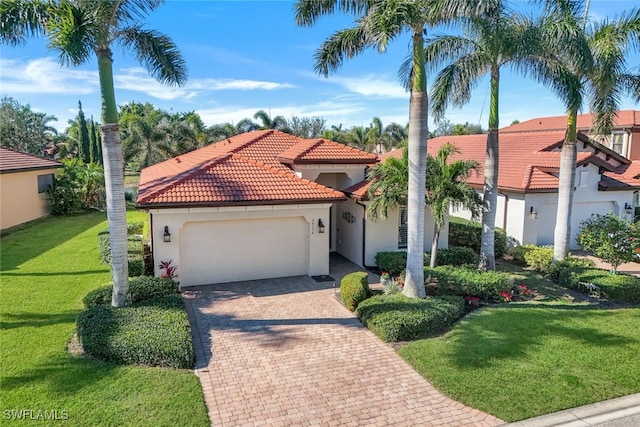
(169, 270)
(610, 238)
(505, 296)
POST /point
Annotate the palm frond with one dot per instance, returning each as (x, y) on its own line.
(22, 19)
(157, 52)
(72, 32)
(307, 12)
(342, 44)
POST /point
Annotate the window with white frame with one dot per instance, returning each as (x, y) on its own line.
(402, 228)
(618, 142)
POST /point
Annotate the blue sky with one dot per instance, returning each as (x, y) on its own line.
(244, 56)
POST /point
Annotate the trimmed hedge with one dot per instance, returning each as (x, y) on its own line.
(466, 282)
(141, 288)
(568, 262)
(539, 258)
(614, 287)
(396, 317)
(354, 288)
(395, 262)
(467, 233)
(153, 333)
(134, 246)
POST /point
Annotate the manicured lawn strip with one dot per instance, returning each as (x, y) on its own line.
(523, 360)
(46, 270)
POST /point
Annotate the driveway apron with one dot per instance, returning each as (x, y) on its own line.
(285, 352)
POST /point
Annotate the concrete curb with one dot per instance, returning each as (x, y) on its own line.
(588, 415)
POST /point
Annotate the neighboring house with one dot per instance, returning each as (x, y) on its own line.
(261, 205)
(624, 140)
(24, 179)
(528, 181)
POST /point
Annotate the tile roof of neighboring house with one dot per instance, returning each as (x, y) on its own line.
(624, 119)
(243, 170)
(17, 161)
(526, 162)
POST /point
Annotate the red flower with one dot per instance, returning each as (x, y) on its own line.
(506, 295)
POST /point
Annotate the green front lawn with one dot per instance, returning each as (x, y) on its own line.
(526, 359)
(47, 268)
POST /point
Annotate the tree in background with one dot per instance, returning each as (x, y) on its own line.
(77, 30)
(306, 127)
(24, 130)
(277, 122)
(610, 238)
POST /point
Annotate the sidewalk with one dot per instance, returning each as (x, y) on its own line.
(629, 267)
(620, 412)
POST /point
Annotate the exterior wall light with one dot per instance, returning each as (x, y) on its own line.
(628, 208)
(320, 226)
(166, 235)
(533, 213)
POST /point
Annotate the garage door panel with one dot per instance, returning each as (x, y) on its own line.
(227, 251)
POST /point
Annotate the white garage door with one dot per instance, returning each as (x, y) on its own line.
(230, 251)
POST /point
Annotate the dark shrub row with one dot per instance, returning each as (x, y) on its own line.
(154, 332)
(467, 282)
(354, 288)
(396, 317)
(135, 248)
(141, 288)
(468, 233)
(395, 262)
(615, 287)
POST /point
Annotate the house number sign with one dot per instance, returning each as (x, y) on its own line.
(349, 217)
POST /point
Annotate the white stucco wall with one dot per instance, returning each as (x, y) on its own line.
(317, 244)
(19, 198)
(344, 175)
(380, 235)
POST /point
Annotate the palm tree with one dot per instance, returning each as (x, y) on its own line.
(77, 29)
(603, 81)
(492, 40)
(389, 184)
(447, 187)
(379, 22)
(358, 137)
(277, 122)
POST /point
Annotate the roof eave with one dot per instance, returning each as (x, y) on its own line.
(239, 204)
(35, 168)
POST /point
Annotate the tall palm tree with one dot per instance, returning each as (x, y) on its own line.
(78, 29)
(389, 184)
(447, 187)
(602, 82)
(491, 40)
(378, 22)
(358, 137)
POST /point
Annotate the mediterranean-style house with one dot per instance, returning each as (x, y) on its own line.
(624, 140)
(529, 163)
(265, 204)
(24, 180)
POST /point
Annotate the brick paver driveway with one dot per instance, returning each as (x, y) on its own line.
(286, 352)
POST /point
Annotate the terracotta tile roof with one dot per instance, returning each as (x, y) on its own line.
(244, 170)
(358, 191)
(315, 151)
(623, 178)
(17, 161)
(525, 162)
(624, 119)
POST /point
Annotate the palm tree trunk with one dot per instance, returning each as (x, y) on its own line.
(434, 246)
(490, 199)
(414, 280)
(114, 182)
(568, 156)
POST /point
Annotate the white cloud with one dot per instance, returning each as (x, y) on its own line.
(45, 76)
(371, 85)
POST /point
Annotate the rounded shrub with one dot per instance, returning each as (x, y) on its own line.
(141, 288)
(466, 282)
(155, 332)
(354, 288)
(467, 233)
(392, 262)
(539, 258)
(454, 255)
(569, 262)
(396, 317)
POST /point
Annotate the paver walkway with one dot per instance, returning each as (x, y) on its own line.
(286, 352)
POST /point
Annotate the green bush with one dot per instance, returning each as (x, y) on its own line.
(136, 265)
(135, 227)
(568, 262)
(614, 287)
(519, 252)
(539, 258)
(466, 282)
(354, 288)
(467, 233)
(141, 288)
(392, 262)
(155, 332)
(395, 262)
(396, 317)
(455, 255)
